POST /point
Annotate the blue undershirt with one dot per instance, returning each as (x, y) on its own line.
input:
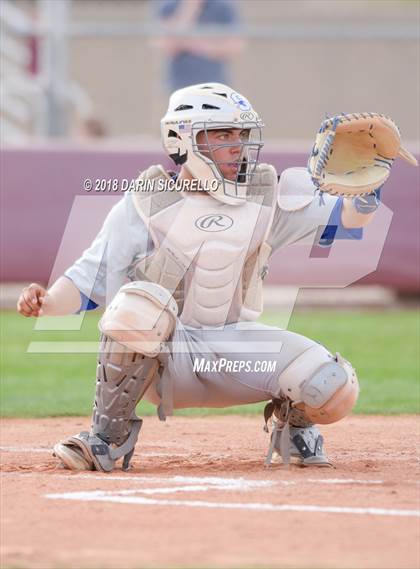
(335, 229)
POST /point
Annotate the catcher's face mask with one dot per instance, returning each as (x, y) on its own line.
(214, 133)
(231, 152)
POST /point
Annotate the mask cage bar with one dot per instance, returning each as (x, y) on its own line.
(248, 157)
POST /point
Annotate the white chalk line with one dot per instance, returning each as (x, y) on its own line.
(101, 496)
(204, 484)
(212, 481)
(174, 489)
(343, 481)
(25, 449)
(195, 479)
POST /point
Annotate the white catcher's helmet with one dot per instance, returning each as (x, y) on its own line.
(205, 107)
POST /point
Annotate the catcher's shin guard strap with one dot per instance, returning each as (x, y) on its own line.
(99, 454)
(128, 447)
(164, 387)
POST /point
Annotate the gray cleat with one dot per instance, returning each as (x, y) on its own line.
(293, 438)
(306, 445)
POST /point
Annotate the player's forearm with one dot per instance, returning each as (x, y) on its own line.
(358, 212)
(63, 298)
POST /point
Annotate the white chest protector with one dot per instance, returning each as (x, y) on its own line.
(211, 256)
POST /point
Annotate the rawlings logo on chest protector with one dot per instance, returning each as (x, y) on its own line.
(214, 222)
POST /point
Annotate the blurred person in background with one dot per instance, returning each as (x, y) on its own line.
(192, 60)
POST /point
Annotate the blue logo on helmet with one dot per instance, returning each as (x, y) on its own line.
(240, 102)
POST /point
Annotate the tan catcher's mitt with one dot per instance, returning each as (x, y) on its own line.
(353, 154)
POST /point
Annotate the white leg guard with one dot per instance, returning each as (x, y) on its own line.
(123, 377)
(136, 325)
(315, 388)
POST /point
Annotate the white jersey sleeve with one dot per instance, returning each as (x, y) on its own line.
(103, 268)
(301, 213)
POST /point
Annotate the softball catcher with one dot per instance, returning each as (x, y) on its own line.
(195, 263)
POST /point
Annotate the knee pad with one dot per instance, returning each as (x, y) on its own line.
(141, 317)
(323, 386)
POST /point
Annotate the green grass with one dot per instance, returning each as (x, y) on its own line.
(383, 347)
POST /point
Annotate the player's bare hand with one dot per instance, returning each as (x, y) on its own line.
(31, 300)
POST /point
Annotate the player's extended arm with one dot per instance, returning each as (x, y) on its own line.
(61, 299)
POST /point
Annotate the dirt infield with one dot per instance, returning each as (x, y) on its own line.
(198, 495)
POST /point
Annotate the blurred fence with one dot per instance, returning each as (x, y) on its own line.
(302, 58)
(38, 188)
